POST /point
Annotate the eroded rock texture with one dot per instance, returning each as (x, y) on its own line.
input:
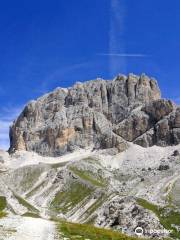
(100, 114)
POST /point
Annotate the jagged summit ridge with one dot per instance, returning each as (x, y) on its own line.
(98, 113)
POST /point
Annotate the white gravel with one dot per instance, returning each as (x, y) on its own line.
(24, 158)
(26, 228)
(137, 157)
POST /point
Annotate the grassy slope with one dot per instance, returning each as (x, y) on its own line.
(174, 195)
(167, 218)
(92, 209)
(3, 205)
(35, 189)
(67, 200)
(29, 176)
(83, 232)
(26, 204)
(89, 177)
(30, 214)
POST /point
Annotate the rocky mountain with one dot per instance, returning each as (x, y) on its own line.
(101, 114)
(104, 153)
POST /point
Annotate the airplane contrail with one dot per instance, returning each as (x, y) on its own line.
(123, 54)
(116, 38)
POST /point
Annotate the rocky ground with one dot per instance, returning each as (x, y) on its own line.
(105, 188)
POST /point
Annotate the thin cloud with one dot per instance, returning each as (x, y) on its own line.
(116, 36)
(7, 116)
(135, 55)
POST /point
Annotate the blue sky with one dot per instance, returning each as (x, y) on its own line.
(45, 44)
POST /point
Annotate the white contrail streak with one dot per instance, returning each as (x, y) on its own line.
(123, 54)
(116, 39)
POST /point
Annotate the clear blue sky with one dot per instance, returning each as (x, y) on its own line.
(45, 44)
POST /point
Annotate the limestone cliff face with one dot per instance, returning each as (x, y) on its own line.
(98, 113)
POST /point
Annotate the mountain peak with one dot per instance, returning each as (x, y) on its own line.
(97, 113)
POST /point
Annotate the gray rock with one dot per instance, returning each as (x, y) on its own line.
(134, 126)
(165, 132)
(163, 167)
(177, 118)
(176, 153)
(176, 135)
(126, 215)
(158, 109)
(98, 114)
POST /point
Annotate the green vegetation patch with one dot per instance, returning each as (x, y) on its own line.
(26, 177)
(30, 214)
(168, 217)
(35, 189)
(67, 200)
(3, 205)
(30, 178)
(26, 204)
(174, 195)
(89, 177)
(58, 165)
(94, 207)
(84, 232)
(3, 214)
